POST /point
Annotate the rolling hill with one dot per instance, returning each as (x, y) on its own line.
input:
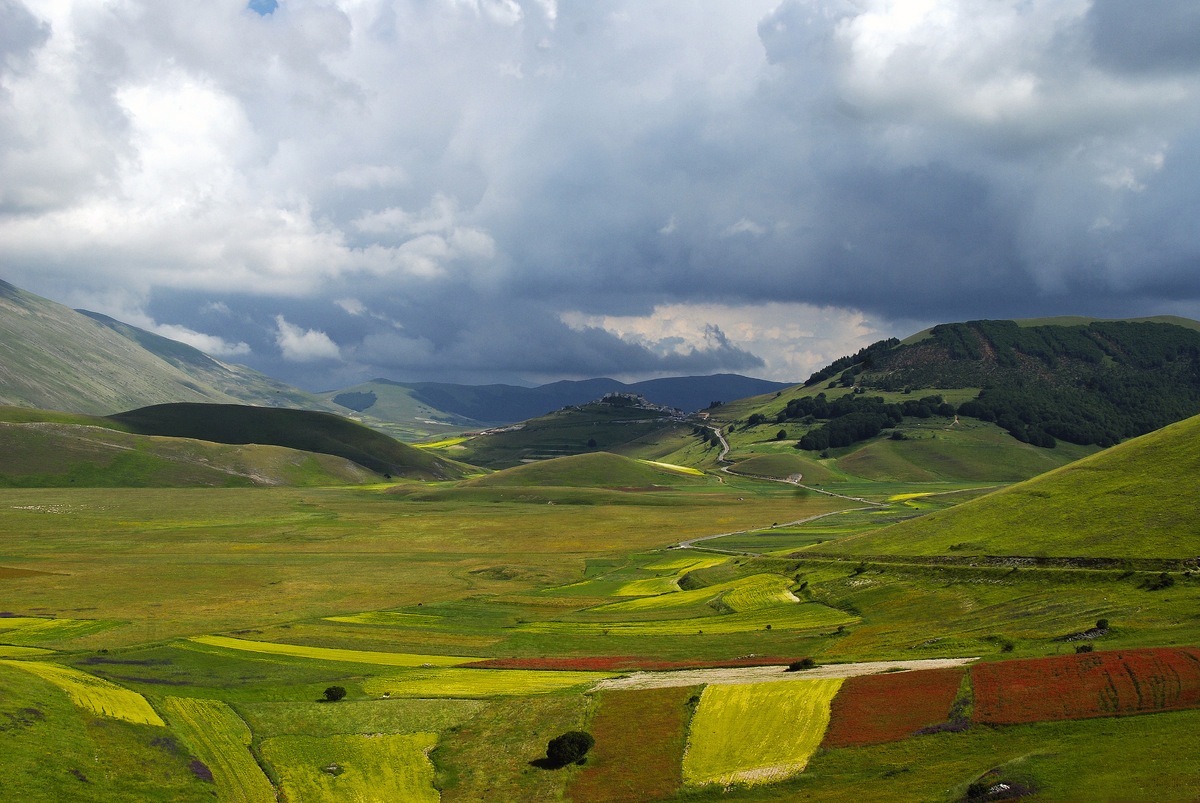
(305, 430)
(44, 450)
(56, 358)
(1135, 500)
(606, 425)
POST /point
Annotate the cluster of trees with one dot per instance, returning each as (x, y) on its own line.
(864, 358)
(854, 418)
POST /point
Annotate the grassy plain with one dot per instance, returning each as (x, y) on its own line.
(92, 693)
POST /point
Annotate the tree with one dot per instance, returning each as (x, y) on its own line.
(591, 443)
(569, 748)
(781, 435)
(334, 693)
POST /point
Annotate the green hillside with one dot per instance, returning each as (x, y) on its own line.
(603, 426)
(297, 429)
(56, 358)
(394, 408)
(595, 470)
(1135, 500)
(46, 453)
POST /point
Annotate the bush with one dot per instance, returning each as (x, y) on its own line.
(802, 664)
(1082, 648)
(569, 748)
(334, 693)
(1102, 624)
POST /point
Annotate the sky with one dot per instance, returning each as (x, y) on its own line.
(530, 190)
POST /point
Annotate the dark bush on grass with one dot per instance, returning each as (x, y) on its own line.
(334, 693)
(1082, 648)
(569, 748)
(802, 664)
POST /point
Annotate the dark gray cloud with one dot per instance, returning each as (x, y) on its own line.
(510, 189)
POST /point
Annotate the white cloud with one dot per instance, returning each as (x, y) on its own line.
(210, 344)
(304, 345)
(794, 340)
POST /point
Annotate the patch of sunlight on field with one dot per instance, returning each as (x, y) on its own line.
(473, 683)
(391, 619)
(440, 444)
(33, 630)
(11, 651)
(219, 738)
(90, 692)
(744, 594)
(757, 733)
(651, 586)
(332, 654)
(797, 616)
(354, 767)
(672, 467)
(684, 564)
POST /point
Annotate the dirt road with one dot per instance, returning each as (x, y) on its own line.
(761, 674)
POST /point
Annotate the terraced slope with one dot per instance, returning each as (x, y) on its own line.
(1135, 500)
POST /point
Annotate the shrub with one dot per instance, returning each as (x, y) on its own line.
(1102, 624)
(334, 693)
(1082, 648)
(569, 748)
(803, 663)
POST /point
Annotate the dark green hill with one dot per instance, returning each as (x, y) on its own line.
(1135, 500)
(56, 358)
(1088, 383)
(296, 429)
(595, 470)
(607, 426)
(44, 450)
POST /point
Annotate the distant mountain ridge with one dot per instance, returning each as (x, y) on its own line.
(56, 358)
(505, 404)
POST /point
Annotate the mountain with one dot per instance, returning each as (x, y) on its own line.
(56, 358)
(1133, 501)
(1084, 381)
(453, 405)
(306, 430)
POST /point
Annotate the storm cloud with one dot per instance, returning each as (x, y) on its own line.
(505, 190)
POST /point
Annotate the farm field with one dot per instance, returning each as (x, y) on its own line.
(197, 632)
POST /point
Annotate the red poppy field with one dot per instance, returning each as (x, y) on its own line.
(874, 709)
(1096, 684)
(640, 736)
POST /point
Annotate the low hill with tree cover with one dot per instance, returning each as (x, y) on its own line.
(595, 470)
(309, 431)
(616, 423)
(1135, 500)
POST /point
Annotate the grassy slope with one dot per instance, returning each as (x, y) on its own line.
(53, 357)
(296, 429)
(49, 454)
(1133, 500)
(397, 412)
(595, 470)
